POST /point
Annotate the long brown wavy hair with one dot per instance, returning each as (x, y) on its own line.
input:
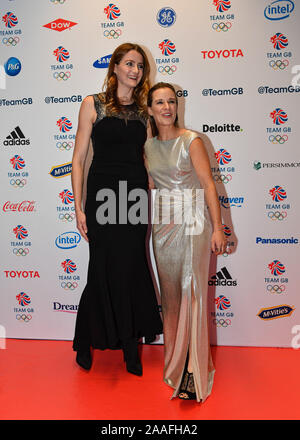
(110, 85)
(157, 86)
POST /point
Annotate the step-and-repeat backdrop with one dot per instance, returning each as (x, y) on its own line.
(235, 67)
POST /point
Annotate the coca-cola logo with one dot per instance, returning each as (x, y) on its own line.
(24, 206)
(21, 274)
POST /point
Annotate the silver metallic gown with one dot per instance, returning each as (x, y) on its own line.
(182, 259)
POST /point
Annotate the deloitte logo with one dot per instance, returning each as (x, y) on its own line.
(222, 278)
(12, 66)
(279, 9)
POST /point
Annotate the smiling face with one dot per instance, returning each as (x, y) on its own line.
(163, 107)
(130, 69)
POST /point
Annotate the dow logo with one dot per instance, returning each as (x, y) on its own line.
(60, 24)
(222, 278)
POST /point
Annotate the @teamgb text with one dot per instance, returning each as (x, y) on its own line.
(171, 206)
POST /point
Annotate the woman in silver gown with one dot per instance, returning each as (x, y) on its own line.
(177, 161)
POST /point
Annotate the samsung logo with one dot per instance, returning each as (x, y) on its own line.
(103, 62)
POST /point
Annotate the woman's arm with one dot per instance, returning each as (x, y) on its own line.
(201, 164)
(151, 184)
(87, 115)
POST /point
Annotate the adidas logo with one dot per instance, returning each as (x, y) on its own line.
(16, 137)
(222, 278)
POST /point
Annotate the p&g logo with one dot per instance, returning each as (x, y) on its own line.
(12, 66)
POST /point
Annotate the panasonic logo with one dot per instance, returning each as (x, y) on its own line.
(292, 240)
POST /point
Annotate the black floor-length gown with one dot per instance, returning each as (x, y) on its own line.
(119, 300)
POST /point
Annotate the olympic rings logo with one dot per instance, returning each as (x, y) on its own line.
(275, 289)
(112, 33)
(221, 26)
(227, 252)
(18, 183)
(277, 215)
(221, 178)
(62, 75)
(222, 322)
(69, 285)
(167, 70)
(279, 64)
(11, 41)
(20, 252)
(278, 139)
(23, 317)
(67, 217)
(64, 145)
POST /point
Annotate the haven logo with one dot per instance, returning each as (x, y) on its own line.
(16, 137)
(228, 202)
(60, 24)
(68, 240)
(103, 62)
(222, 278)
(279, 10)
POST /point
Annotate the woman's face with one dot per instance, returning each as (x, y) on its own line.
(164, 107)
(130, 69)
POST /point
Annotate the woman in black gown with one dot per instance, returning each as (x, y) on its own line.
(118, 305)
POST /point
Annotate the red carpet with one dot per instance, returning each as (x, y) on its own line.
(40, 380)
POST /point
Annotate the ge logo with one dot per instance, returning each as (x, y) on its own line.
(166, 17)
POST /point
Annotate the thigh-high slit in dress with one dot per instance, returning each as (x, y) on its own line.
(182, 257)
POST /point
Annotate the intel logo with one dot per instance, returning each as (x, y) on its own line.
(68, 240)
(279, 9)
(103, 62)
(12, 66)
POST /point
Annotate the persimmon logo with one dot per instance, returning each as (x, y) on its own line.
(60, 24)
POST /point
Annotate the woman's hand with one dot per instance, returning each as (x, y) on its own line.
(81, 224)
(218, 242)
